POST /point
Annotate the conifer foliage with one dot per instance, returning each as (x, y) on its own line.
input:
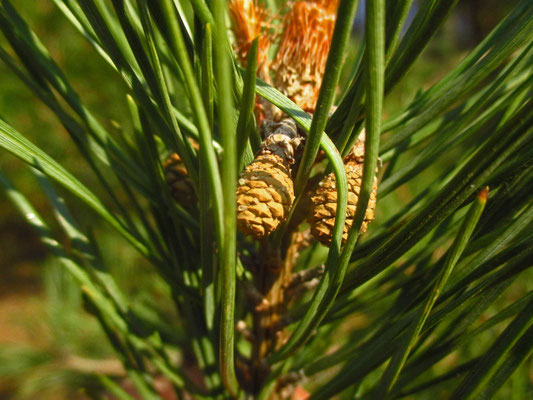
(310, 245)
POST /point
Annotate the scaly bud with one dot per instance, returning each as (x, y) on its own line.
(250, 21)
(301, 57)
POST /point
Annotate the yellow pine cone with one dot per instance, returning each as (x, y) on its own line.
(178, 179)
(265, 190)
(324, 199)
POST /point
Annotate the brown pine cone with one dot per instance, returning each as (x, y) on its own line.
(324, 199)
(265, 191)
(178, 179)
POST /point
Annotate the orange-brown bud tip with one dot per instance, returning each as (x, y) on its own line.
(483, 194)
(249, 21)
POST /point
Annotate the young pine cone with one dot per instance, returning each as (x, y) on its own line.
(178, 179)
(324, 199)
(265, 191)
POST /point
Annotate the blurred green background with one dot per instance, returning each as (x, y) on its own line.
(46, 340)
